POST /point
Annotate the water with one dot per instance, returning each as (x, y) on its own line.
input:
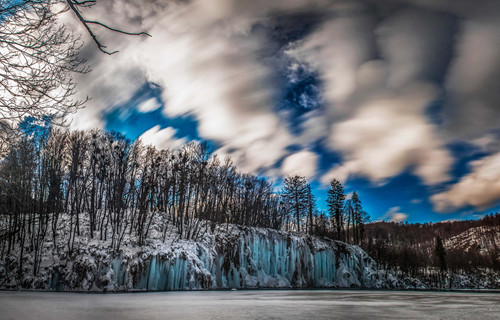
(264, 304)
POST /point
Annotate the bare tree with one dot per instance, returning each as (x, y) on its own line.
(38, 57)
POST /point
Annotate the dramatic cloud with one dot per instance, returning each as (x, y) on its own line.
(480, 188)
(205, 57)
(336, 51)
(162, 138)
(405, 40)
(473, 109)
(377, 110)
(388, 134)
(302, 163)
(381, 66)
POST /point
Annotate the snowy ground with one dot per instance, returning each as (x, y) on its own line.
(227, 257)
(283, 304)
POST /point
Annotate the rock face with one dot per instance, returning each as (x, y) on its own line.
(250, 258)
(227, 257)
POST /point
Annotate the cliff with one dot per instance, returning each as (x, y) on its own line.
(226, 257)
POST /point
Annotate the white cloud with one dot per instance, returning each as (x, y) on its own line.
(480, 188)
(314, 127)
(162, 139)
(388, 135)
(207, 58)
(336, 51)
(302, 163)
(149, 105)
(339, 172)
(377, 109)
(394, 215)
(398, 217)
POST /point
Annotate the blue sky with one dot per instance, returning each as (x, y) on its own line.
(391, 97)
(402, 193)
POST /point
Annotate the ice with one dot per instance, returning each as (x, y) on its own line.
(250, 258)
(229, 256)
(251, 304)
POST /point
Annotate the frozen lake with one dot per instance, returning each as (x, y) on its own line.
(265, 304)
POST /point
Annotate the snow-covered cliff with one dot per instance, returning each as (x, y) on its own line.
(228, 257)
(247, 258)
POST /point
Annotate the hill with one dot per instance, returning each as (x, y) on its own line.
(469, 244)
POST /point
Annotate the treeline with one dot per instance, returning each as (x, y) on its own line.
(414, 248)
(344, 219)
(114, 187)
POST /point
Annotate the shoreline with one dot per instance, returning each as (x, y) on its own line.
(494, 291)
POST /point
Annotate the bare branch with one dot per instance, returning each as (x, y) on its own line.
(73, 4)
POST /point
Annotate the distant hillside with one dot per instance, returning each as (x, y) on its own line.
(484, 240)
(469, 244)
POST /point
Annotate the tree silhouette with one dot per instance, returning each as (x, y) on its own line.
(440, 253)
(335, 202)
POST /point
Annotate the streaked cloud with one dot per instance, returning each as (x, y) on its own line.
(162, 139)
(480, 188)
(149, 105)
(381, 65)
(302, 163)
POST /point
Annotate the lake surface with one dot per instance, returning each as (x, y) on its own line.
(252, 304)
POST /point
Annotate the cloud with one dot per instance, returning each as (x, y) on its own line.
(380, 70)
(472, 82)
(376, 109)
(149, 105)
(480, 188)
(302, 163)
(162, 139)
(207, 59)
(395, 216)
(335, 51)
(388, 135)
(416, 44)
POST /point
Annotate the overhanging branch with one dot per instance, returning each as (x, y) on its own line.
(74, 4)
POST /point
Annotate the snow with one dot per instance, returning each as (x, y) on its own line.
(228, 257)
(484, 239)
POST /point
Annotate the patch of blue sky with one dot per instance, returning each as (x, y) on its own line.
(132, 123)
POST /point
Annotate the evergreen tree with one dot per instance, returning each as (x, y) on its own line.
(335, 202)
(321, 224)
(359, 217)
(296, 195)
(349, 215)
(311, 205)
(440, 253)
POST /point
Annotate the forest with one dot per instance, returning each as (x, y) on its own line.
(415, 248)
(118, 187)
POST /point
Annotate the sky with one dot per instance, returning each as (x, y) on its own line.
(398, 99)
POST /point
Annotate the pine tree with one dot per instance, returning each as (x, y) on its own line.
(349, 215)
(358, 219)
(440, 254)
(311, 204)
(295, 194)
(335, 202)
